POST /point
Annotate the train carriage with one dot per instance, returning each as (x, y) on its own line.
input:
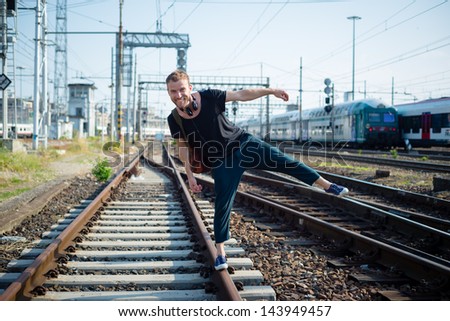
(284, 126)
(358, 123)
(374, 123)
(425, 123)
(22, 130)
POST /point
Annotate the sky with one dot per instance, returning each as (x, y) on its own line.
(401, 46)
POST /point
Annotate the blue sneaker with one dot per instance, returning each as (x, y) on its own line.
(221, 263)
(337, 190)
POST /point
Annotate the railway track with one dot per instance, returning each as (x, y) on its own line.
(374, 159)
(130, 248)
(361, 234)
(428, 154)
(139, 242)
(425, 209)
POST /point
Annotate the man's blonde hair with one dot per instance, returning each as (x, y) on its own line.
(178, 75)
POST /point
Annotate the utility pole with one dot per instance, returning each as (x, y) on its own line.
(21, 69)
(119, 64)
(392, 92)
(300, 101)
(134, 126)
(112, 119)
(354, 18)
(40, 73)
(60, 97)
(3, 53)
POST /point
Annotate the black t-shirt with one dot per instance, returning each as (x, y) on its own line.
(210, 130)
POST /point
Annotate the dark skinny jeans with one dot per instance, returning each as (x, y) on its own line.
(253, 153)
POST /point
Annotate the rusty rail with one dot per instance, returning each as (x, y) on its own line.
(33, 277)
(414, 266)
(226, 288)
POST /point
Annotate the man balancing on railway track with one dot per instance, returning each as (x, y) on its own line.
(227, 149)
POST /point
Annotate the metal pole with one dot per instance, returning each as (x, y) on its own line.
(261, 126)
(37, 54)
(21, 95)
(4, 44)
(268, 112)
(354, 18)
(119, 64)
(15, 96)
(300, 101)
(134, 100)
(46, 112)
(332, 116)
(392, 90)
(102, 123)
(112, 121)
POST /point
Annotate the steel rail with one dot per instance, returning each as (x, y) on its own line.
(443, 168)
(386, 192)
(392, 192)
(367, 211)
(414, 266)
(227, 290)
(44, 266)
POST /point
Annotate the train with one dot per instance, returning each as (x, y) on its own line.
(359, 123)
(367, 123)
(23, 130)
(425, 123)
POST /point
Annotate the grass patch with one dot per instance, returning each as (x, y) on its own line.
(356, 169)
(20, 171)
(10, 194)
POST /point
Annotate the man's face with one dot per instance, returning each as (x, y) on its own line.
(180, 92)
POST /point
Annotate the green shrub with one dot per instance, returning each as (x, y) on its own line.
(394, 153)
(102, 171)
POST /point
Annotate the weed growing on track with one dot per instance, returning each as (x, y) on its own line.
(102, 171)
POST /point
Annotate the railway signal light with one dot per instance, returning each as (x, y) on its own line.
(181, 59)
(329, 91)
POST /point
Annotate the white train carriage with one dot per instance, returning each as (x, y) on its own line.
(284, 126)
(320, 124)
(252, 126)
(23, 130)
(425, 123)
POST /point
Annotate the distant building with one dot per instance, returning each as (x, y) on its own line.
(24, 108)
(82, 108)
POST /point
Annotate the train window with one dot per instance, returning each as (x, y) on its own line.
(406, 123)
(446, 120)
(374, 118)
(388, 117)
(415, 124)
(436, 122)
